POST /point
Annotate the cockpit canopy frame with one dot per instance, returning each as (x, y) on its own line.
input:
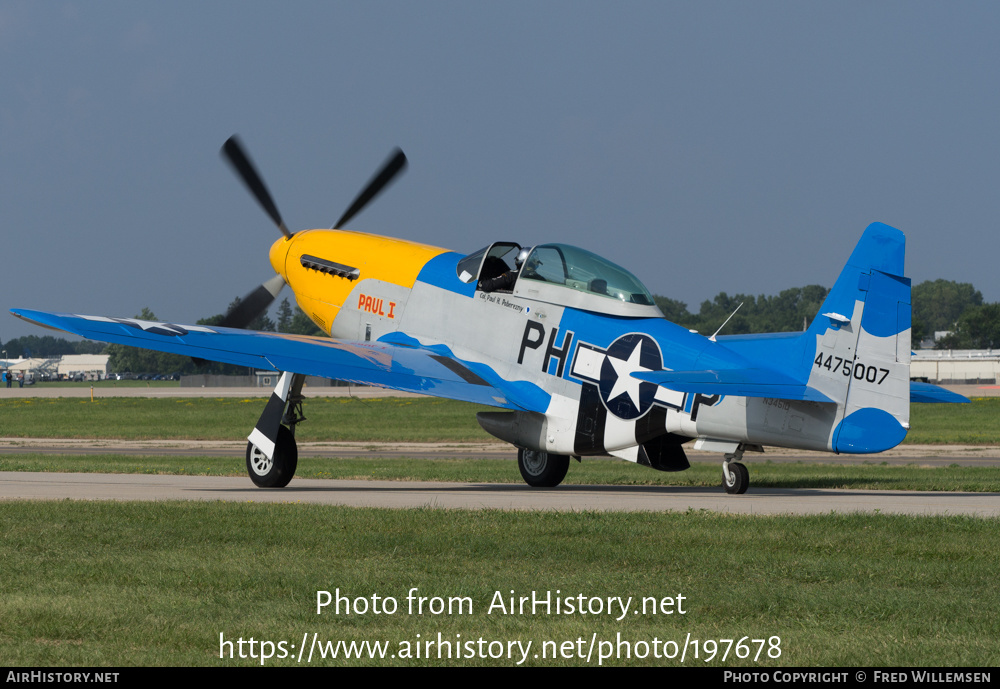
(488, 262)
(565, 275)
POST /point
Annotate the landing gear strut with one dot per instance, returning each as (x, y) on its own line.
(735, 477)
(272, 455)
(540, 469)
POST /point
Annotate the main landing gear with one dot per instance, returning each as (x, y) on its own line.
(540, 469)
(272, 455)
(735, 477)
(276, 471)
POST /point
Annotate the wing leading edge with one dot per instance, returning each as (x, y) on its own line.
(398, 367)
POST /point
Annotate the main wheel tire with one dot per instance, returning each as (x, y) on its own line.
(540, 469)
(739, 479)
(278, 471)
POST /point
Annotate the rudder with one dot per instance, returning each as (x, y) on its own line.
(862, 345)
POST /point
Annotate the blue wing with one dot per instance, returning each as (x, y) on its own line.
(408, 367)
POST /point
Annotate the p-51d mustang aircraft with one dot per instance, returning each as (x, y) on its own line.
(573, 348)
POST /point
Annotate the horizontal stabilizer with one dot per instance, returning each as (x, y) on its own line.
(932, 394)
(744, 382)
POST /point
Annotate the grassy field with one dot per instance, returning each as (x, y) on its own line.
(383, 419)
(117, 584)
(956, 424)
(380, 419)
(123, 584)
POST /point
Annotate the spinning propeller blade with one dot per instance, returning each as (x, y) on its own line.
(233, 151)
(395, 164)
(253, 304)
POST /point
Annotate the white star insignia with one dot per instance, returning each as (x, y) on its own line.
(624, 369)
(149, 325)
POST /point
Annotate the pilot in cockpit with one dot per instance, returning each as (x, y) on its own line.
(505, 280)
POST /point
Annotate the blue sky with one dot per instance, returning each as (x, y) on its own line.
(707, 147)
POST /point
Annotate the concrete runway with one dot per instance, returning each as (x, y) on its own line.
(401, 494)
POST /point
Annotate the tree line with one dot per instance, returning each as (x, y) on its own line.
(47, 347)
(789, 311)
(938, 306)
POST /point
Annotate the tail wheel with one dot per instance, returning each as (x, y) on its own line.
(540, 469)
(737, 480)
(277, 471)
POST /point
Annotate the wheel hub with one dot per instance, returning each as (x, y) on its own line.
(259, 462)
(534, 462)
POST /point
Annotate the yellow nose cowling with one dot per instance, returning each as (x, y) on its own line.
(365, 256)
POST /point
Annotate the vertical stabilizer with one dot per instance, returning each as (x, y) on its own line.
(862, 345)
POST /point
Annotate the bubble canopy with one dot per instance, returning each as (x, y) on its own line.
(581, 270)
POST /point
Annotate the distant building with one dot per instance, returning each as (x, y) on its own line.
(92, 366)
(87, 366)
(956, 366)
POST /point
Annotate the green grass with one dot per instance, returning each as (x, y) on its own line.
(956, 424)
(109, 584)
(384, 419)
(763, 474)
